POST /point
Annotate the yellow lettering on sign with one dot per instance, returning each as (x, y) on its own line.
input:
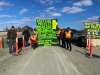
(54, 24)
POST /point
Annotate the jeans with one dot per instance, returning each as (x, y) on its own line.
(12, 45)
(68, 43)
(63, 42)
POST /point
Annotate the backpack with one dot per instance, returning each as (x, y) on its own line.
(68, 35)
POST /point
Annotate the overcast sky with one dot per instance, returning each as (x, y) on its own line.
(70, 13)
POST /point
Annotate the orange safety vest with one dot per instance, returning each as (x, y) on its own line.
(68, 35)
(33, 39)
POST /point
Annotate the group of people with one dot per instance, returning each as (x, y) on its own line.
(65, 37)
(13, 37)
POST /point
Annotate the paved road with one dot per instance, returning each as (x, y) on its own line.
(42, 61)
(86, 65)
(50, 61)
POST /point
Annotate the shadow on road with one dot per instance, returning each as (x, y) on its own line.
(96, 56)
(80, 52)
(87, 55)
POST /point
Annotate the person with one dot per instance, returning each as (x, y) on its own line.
(58, 36)
(33, 40)
(26, 35)
(79, 41)
(11, 36)
(20, 41)
(62, 34)
(68, 38)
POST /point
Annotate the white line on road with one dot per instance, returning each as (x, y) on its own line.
(63, 61)
(27, 63)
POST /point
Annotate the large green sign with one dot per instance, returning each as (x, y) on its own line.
(93, 29)
(46, 31)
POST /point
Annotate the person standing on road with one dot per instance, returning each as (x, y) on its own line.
(68, 38)
(62, 34)
(58, 36)
(11, 36)
(20, 41)
(33, 40)
(26, 35)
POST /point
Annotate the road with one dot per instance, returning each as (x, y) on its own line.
(49, 61)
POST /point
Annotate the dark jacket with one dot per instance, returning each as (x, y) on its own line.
(12, 34)
(26, 35)
(62, 34)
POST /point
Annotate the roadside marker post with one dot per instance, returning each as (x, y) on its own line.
(17, 50)
(90, 46)
(1, 42)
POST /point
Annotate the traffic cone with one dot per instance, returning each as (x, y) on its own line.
(1, 42)
(17, 50)
(91, 48)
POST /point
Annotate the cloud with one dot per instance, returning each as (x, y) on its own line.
(29, 21)
(23, 11)
(9, 20)
(72, 10)
(55, 14)
(42, 15)
(83, 3)
(49, 15)
(5, 4)
(94, 19)
(49, 12)
(51, 8)
(6, 16)
(25, 20)
(18, 22)
(49, 2)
